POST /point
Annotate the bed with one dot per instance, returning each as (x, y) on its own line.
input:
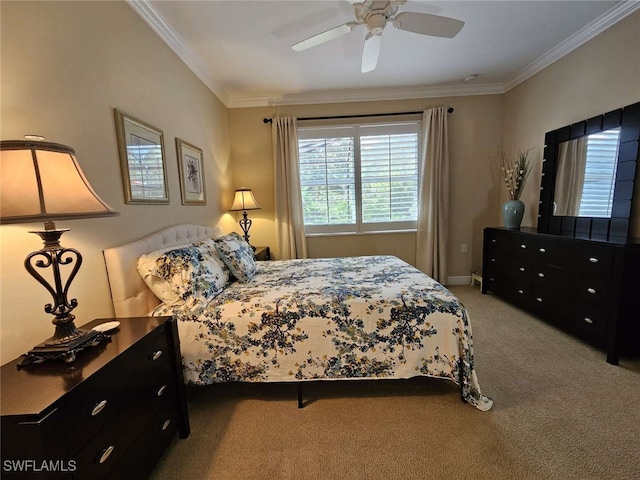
(370, 317)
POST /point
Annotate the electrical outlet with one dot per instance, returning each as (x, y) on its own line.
(464, 248)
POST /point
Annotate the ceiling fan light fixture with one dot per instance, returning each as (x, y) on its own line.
(376, 23)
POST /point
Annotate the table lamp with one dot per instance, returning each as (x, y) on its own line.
(42, 181)
(243, 201)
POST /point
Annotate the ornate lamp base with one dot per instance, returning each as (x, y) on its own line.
(65, 351)
(67, 340)
(245, 225)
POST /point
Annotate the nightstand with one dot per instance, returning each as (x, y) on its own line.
(262, 253)
(108, 415)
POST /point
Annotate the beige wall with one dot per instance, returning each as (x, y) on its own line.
(600, 76)
(475, 135)
(65, 66)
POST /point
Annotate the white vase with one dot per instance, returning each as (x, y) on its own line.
(512, 212)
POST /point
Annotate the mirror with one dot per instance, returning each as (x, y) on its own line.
(586, 174)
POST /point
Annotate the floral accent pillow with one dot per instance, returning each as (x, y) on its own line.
(237, 254)
(193, 273)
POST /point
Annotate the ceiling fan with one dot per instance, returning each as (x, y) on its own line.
(375, 15)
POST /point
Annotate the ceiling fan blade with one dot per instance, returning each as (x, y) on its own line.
(427, 24)
(324, 37)
(370, 53)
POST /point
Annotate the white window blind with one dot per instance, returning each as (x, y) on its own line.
(145, 168)
(600, 174)
(327, 178)
(359, 178)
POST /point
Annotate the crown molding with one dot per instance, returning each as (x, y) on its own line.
(367, 95)
(151, 16)
(582, 36)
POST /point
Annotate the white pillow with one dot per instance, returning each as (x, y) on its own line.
(177, 274)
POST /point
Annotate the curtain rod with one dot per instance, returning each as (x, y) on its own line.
(269, 120)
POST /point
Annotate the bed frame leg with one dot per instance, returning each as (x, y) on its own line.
(299, 389)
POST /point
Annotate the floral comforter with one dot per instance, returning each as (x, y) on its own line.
(327, 319)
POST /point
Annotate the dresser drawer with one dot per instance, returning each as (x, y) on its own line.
(497, 263)
(522, 246)
(590, 289)
(138, 463)
(555, 253)
(498, 240)
(520, 268)
(87, 409)
(549, 303)
(102, 453)
(593, 259)
(495, 282)
(589, 322)
(550, 277)
(520, 292)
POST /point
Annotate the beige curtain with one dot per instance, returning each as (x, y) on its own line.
(433, 205)
(572, 162)
(288, 198)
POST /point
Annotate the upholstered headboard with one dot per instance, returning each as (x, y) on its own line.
(130, 295)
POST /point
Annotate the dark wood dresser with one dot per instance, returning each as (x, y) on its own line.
(590, 288)
(108, 415)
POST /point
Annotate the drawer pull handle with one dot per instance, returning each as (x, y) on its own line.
(161, 390)
(492, 260)
(591, 290)
(166, 424)
(593, 259)
(106, 454)
(493, 240)
(522, 269)
(542, 250)
(520, 292)
(98, 408)
(588, 320)
(538, 299)
(523, 246)
(541, 275)
(156, 355)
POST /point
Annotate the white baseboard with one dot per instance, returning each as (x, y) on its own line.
(459, 280)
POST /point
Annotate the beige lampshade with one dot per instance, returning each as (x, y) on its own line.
(42, 181)
(244, 200)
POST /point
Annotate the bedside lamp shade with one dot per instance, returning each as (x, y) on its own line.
(244, 200)
(42, 181)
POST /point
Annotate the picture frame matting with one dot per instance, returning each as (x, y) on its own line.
(191, 171)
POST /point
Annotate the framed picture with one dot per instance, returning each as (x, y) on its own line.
(191, 170)
(142, 161)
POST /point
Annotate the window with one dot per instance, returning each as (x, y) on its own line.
(359, 178)
(600, 174)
